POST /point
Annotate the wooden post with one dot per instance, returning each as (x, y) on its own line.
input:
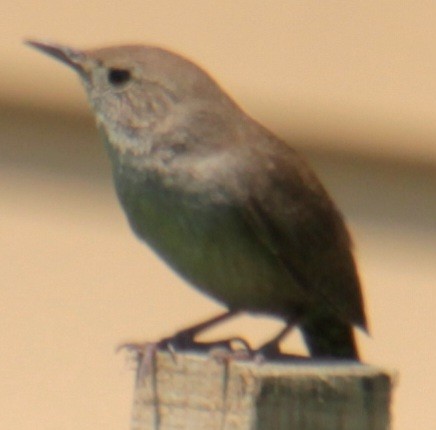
(197, 392)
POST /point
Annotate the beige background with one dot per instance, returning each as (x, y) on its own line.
(351, 84)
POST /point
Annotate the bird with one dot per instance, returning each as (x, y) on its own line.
(233, 209)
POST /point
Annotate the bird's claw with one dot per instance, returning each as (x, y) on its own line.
(144, 354)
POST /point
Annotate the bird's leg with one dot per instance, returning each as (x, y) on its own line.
(271, 349)
(185, 339)
(145, 353)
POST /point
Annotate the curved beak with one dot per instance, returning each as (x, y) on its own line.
(72, 57)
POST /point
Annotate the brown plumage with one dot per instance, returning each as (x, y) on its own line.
(228, 205)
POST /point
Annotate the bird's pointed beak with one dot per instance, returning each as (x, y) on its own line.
(72, 57)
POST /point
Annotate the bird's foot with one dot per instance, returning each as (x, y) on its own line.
(270, 351)
(184, 341)
(144, 354)
(235, 348)
(225, 355)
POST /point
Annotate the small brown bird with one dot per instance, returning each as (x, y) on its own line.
(229, 206)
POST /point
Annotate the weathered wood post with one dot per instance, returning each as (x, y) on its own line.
(196, 392)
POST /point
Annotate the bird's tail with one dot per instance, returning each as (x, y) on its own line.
(329, 337)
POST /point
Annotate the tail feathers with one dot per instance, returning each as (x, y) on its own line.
(329, 337)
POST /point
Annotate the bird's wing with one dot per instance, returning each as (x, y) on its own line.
(293, 216)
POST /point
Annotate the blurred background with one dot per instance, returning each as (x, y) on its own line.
(352, 85)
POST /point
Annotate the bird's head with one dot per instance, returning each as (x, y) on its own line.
(136, 88)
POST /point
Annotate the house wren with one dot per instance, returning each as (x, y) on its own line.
(229, 206)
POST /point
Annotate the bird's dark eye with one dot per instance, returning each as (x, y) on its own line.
(118, 77)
